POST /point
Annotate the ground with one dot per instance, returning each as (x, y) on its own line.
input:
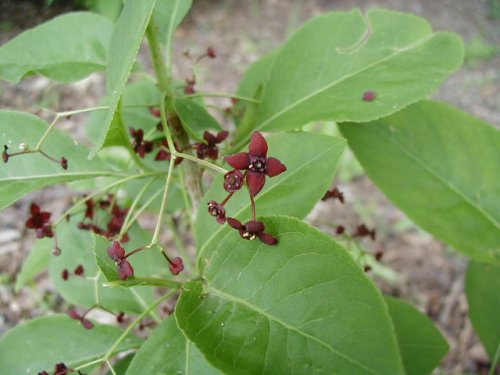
(430, 274)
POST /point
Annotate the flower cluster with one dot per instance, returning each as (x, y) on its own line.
(40, 222)
(250, 169)
(59, 369)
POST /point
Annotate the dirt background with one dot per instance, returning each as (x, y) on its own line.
(428, 273)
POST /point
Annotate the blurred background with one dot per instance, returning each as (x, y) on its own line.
(414, 265)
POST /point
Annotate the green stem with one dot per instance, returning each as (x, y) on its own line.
(103, 190)
(141, 210)
(494, 362)
(134, 204)
(132, 325)
(156, 234)
(185, 197)
(157, 56)
(202, 162)
(143, 303)
(223, 95)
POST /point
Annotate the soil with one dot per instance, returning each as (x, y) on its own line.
(429, 274)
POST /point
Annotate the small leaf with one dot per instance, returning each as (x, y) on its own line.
(322, 72)
(26, 173)
(66, 48)
(36, 262)
(440, 166)
(421, 344)
(124, 45)
(302, 306)
(167, 351)
(195, 118)
(311, 161)
(482, 286)
(39, 344)
(168, 16)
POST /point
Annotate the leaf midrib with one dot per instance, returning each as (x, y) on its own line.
(416, 44)
(221, 228)
(436, 175)
(287, 326)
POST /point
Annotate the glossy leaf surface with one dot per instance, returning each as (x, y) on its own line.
(66, 48)
(440, 166)
(322, 72)
(303, 306)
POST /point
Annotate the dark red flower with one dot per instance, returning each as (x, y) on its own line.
(64, 163)
(233, 181)
(65, 274)
(211, 53)
(46, 231)
(117, 253)
(257, 163)
(5, 153)
(218, 211)
(363, 231)
(164, 153)
(335, 194)
(155, 111)
(189, 88)
(176, 266)
(87, 324)
(79, 270)
(210, 149)
(61, 369)
(340, 229)
(252, 230)
(38, 218)
(141, 147)
(89, 209)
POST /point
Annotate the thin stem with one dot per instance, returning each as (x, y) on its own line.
(111, 367)
(156, 233)
(495, 360)
(202, 162)
(227, 199)
(143, 303)
(100, 191)
(141, 210)
(47, 132)
(185, 197)
(252, 203)
(132, 325)
(224, 95)
(134, 204)
(163, 117)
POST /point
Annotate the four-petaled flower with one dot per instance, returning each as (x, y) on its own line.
(141, 147)
(209, 149)
(252, 230)
(39, 220)
(117, 253)
(256, 162)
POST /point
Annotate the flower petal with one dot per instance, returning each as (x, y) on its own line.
(45, 216)
(258, 145)
(268, 239)
(209, 137)
(115, 251)
(236, 224)
(238, 161)
(255, 227)
(34, 208)
(255, 182)
(274, 167)
(221, 136)
(30, 223)
(125, 270)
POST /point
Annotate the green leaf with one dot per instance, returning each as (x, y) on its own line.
(40, 343)
(256, 75)
(109, 8)
(124, 45)
(481, 287)
(66, 48)
(195, 118)
(36, 262)
(26, 173)
(77, 248)
(322, 72)
(168, 16)
(440, 166)
(309, 174)
(167, 351)
(303, 306)
(421, 344)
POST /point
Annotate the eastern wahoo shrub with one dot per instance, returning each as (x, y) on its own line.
(263, 291)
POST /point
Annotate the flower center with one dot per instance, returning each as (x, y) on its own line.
(258, 164)
(248, 236)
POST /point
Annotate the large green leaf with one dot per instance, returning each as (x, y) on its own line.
(311, 160)
(66, 48)
(124, 45)
(302, 307)
(421, 344)
(39, 344)
(195, 117)
(26, 173)
(78, 248)
(167, 351)
(440, 166)
(322, 72)
(482, 288)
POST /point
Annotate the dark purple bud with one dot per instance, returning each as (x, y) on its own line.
(65, 274)
(79, 270)
(379, 255)
(369, 96)
(176, 266)
(233, 181)
(340, 229)
(218, 211)
(211, 53)
(73, 314)
(87, 324)
(5, 154)
(120, 318)
(64, 163)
